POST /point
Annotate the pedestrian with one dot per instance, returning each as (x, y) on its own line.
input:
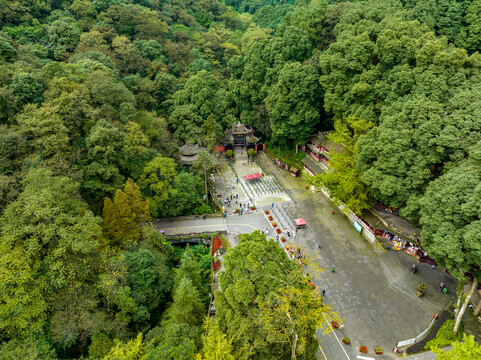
(203, 217)
(236, 196)
(242, 210)
(240, 204)
(433, 266)
(237, 180)
(319, 245)
(341, 326)
(277, 237)
(236, 202)
(288, 234)
(272, 204)
(323, 293)
(332, 270)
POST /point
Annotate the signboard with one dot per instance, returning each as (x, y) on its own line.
(405, 343)
(357, 226)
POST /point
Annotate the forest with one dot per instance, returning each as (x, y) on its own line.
(96, 96)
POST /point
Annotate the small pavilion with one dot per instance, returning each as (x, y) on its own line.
(188, 153)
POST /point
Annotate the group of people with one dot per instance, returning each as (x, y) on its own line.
(288, 232)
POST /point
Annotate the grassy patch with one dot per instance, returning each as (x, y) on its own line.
(286, 155)
(445, 335)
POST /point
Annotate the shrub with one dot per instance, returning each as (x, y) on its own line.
(346, 340)
(274, 224)
(225, 242)
(251, 152)
(363, 349)
(266, 212)
(278, 231)
(229, 153)
(378, 350)
(270, 218)
(445, 336)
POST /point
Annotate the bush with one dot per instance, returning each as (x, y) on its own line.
(270, 218)
(251, 152)
(229, 153)
(274, 224)
(445, 336)
(266, 212)
(225, 242)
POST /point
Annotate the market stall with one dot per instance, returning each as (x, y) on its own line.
(300, 222)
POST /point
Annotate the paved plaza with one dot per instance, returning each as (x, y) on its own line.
(372, 291)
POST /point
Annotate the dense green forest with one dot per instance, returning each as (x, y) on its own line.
(97, 96)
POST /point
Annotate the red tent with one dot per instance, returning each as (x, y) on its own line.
(252, 176)
(219, 148)
(300, 222)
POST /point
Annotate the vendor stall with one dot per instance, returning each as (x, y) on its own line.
(294, 171)
(300, 222)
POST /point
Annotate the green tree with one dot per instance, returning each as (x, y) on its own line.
(76, 316)
(259, 281)
(26, 88)
(343, 179)
(187, 307)
(212, 132)
(100, 345)
(29, 349)
(466, 349)
(124, 216)
(44, 130)
(204, 164)
(216, 346)
(186, 123)
(151, 281)
(293, 103)
(63, 36)
(188, 199)
(130, 350)
(48, 235)
(450, 219)
(157, 182)
(105, 161)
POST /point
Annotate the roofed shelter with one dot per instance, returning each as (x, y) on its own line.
(188, 153)
(240, 135)
(252, 176)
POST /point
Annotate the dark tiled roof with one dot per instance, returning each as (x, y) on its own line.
(189, 149)
(311, 164)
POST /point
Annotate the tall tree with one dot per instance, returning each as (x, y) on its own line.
(125, 215)
(157, 182)
(47, 236)
(259, 281)
(294, 103)
(466, 349)
(344, 179)
(450, 217)
(204, 164)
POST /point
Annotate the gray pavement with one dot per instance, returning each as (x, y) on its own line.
(372, 291)
(236, 224)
